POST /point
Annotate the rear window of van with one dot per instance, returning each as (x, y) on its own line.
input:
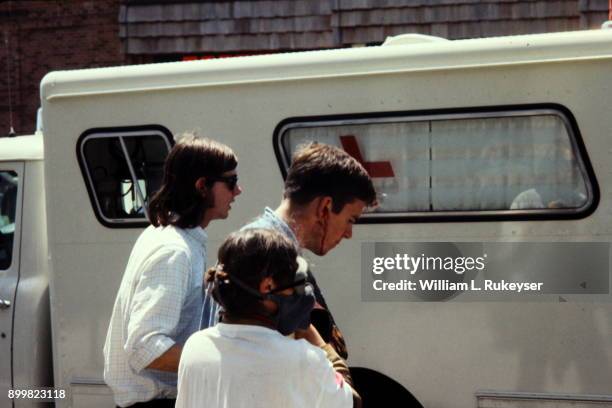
(123, 168)
(522, 163)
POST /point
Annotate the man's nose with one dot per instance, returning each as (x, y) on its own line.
(237, 190)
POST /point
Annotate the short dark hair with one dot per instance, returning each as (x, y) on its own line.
(319, 170)
(178, 202)
(251, 255)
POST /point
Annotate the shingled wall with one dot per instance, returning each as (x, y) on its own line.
(227, 26)
(40, 36)
(148, 27)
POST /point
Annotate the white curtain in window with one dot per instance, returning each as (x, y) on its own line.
(501, 163)
(504, 163)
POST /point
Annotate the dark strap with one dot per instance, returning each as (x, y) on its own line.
(317, 291)
(322, 319)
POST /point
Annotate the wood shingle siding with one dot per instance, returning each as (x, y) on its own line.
(150, 27)
(234, 43)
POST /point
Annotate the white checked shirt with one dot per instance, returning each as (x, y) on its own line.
(159, 303)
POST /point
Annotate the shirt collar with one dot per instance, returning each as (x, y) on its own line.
(198, 234)
(281, 225)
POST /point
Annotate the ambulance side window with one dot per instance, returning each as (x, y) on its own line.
(122, 170)
(8, 206)
(509, 164)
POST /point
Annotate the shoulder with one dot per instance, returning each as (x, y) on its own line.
(199, 337)
(261, 221)
(170, 253)
(199, 345)
(156, 237)
(156, 244)
(317, 366)
(175, 236)
(309, 357)
(314, 355)
(161, 247)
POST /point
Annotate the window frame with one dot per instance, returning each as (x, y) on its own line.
(19, 169)
(118, 132)
(487, 112)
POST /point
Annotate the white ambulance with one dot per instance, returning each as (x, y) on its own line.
(452, 132)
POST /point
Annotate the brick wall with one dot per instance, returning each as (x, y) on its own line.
(50, 35)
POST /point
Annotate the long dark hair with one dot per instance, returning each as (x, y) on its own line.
(178, 202)
(251, 255)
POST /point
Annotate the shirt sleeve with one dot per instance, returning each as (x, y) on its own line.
(156, 305)
(332, 390)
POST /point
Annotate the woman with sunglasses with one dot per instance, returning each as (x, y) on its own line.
(160, 302)
(248, 359)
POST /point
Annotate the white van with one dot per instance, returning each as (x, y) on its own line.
(452, 133)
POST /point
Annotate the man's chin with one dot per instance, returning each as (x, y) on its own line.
(319, 251)
(315, 250)
(221, 216)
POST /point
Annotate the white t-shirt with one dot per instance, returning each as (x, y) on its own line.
(234, 365)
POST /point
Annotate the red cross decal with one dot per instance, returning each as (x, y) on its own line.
(377, 169)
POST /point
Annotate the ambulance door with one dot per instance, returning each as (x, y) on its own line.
(11, 193)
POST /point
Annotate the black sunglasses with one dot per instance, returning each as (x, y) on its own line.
(230, 181)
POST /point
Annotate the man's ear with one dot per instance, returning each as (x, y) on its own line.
(324, 207)
(200, 185)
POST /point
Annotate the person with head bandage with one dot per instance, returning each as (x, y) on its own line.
(249, 359)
